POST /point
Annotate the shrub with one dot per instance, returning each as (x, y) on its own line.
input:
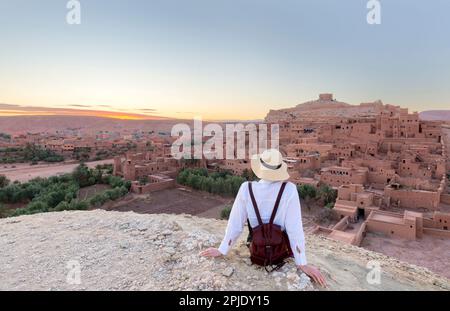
(329, 206)
(59, 193)
(326, 215)
(4, 212)
(81, 205)
(3, 181)
(225, 213)
(328, 194)
(97, 200)
(114, 181)
(218, 182)
(307, 191)
(81, 175)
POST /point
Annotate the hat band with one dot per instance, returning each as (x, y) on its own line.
(270, 167)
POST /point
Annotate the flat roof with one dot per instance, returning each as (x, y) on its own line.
(386, 218)
(342, 236)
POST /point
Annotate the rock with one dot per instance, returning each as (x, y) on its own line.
(141, 227)
(228, 272)
(170, 250)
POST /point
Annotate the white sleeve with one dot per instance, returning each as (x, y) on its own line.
(294, 229)
(236, 221)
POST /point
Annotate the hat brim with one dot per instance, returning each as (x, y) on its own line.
(262, 172)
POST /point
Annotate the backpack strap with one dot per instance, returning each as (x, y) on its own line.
(255, 206)
(277, 203)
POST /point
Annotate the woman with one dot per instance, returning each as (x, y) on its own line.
(272, 171)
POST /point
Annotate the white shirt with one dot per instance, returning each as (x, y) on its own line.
(288, 216)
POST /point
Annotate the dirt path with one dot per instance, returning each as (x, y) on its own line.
(26, 172)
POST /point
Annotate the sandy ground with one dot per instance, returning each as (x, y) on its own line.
(101, 250)
(174, 201)
(26, 172)
(430, 252)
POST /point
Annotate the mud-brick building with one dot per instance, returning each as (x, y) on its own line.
(336, 176)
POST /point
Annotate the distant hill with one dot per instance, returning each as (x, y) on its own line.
(51, 124)
(325, 107)
(435, 115)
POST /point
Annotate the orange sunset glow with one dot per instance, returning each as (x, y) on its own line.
(6, 111)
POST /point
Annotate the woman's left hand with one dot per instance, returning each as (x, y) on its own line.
(315, 274)
(211, 252)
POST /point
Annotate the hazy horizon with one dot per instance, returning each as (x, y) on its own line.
(221, 60)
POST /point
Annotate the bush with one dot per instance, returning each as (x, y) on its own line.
(34, 207)
(326, 215)
(328, 194)
(109, 195)
(225, 213)
(114, 181)
(3, 181)
(78, 206)
(59, 193)
(221, 183)
(98, 200)
(307, 191)
(4, 212)
(107, 168)
(329, 206)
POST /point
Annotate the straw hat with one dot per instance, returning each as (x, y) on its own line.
(269, 165)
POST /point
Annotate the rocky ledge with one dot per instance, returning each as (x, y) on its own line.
(100, 250)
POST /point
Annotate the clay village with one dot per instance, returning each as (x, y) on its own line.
(372, 175)
(387, 167)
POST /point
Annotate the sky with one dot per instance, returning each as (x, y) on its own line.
(219, 59)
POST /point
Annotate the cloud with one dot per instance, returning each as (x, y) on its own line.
(81, 106)
(17, 110)
(147, 109)
(8, 106)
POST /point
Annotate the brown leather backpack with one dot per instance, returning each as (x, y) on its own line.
(269, 244)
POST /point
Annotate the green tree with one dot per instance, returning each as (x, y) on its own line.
(182, 177)
(328, 194)
(3, 181)
(307, 191)
(81, 175)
